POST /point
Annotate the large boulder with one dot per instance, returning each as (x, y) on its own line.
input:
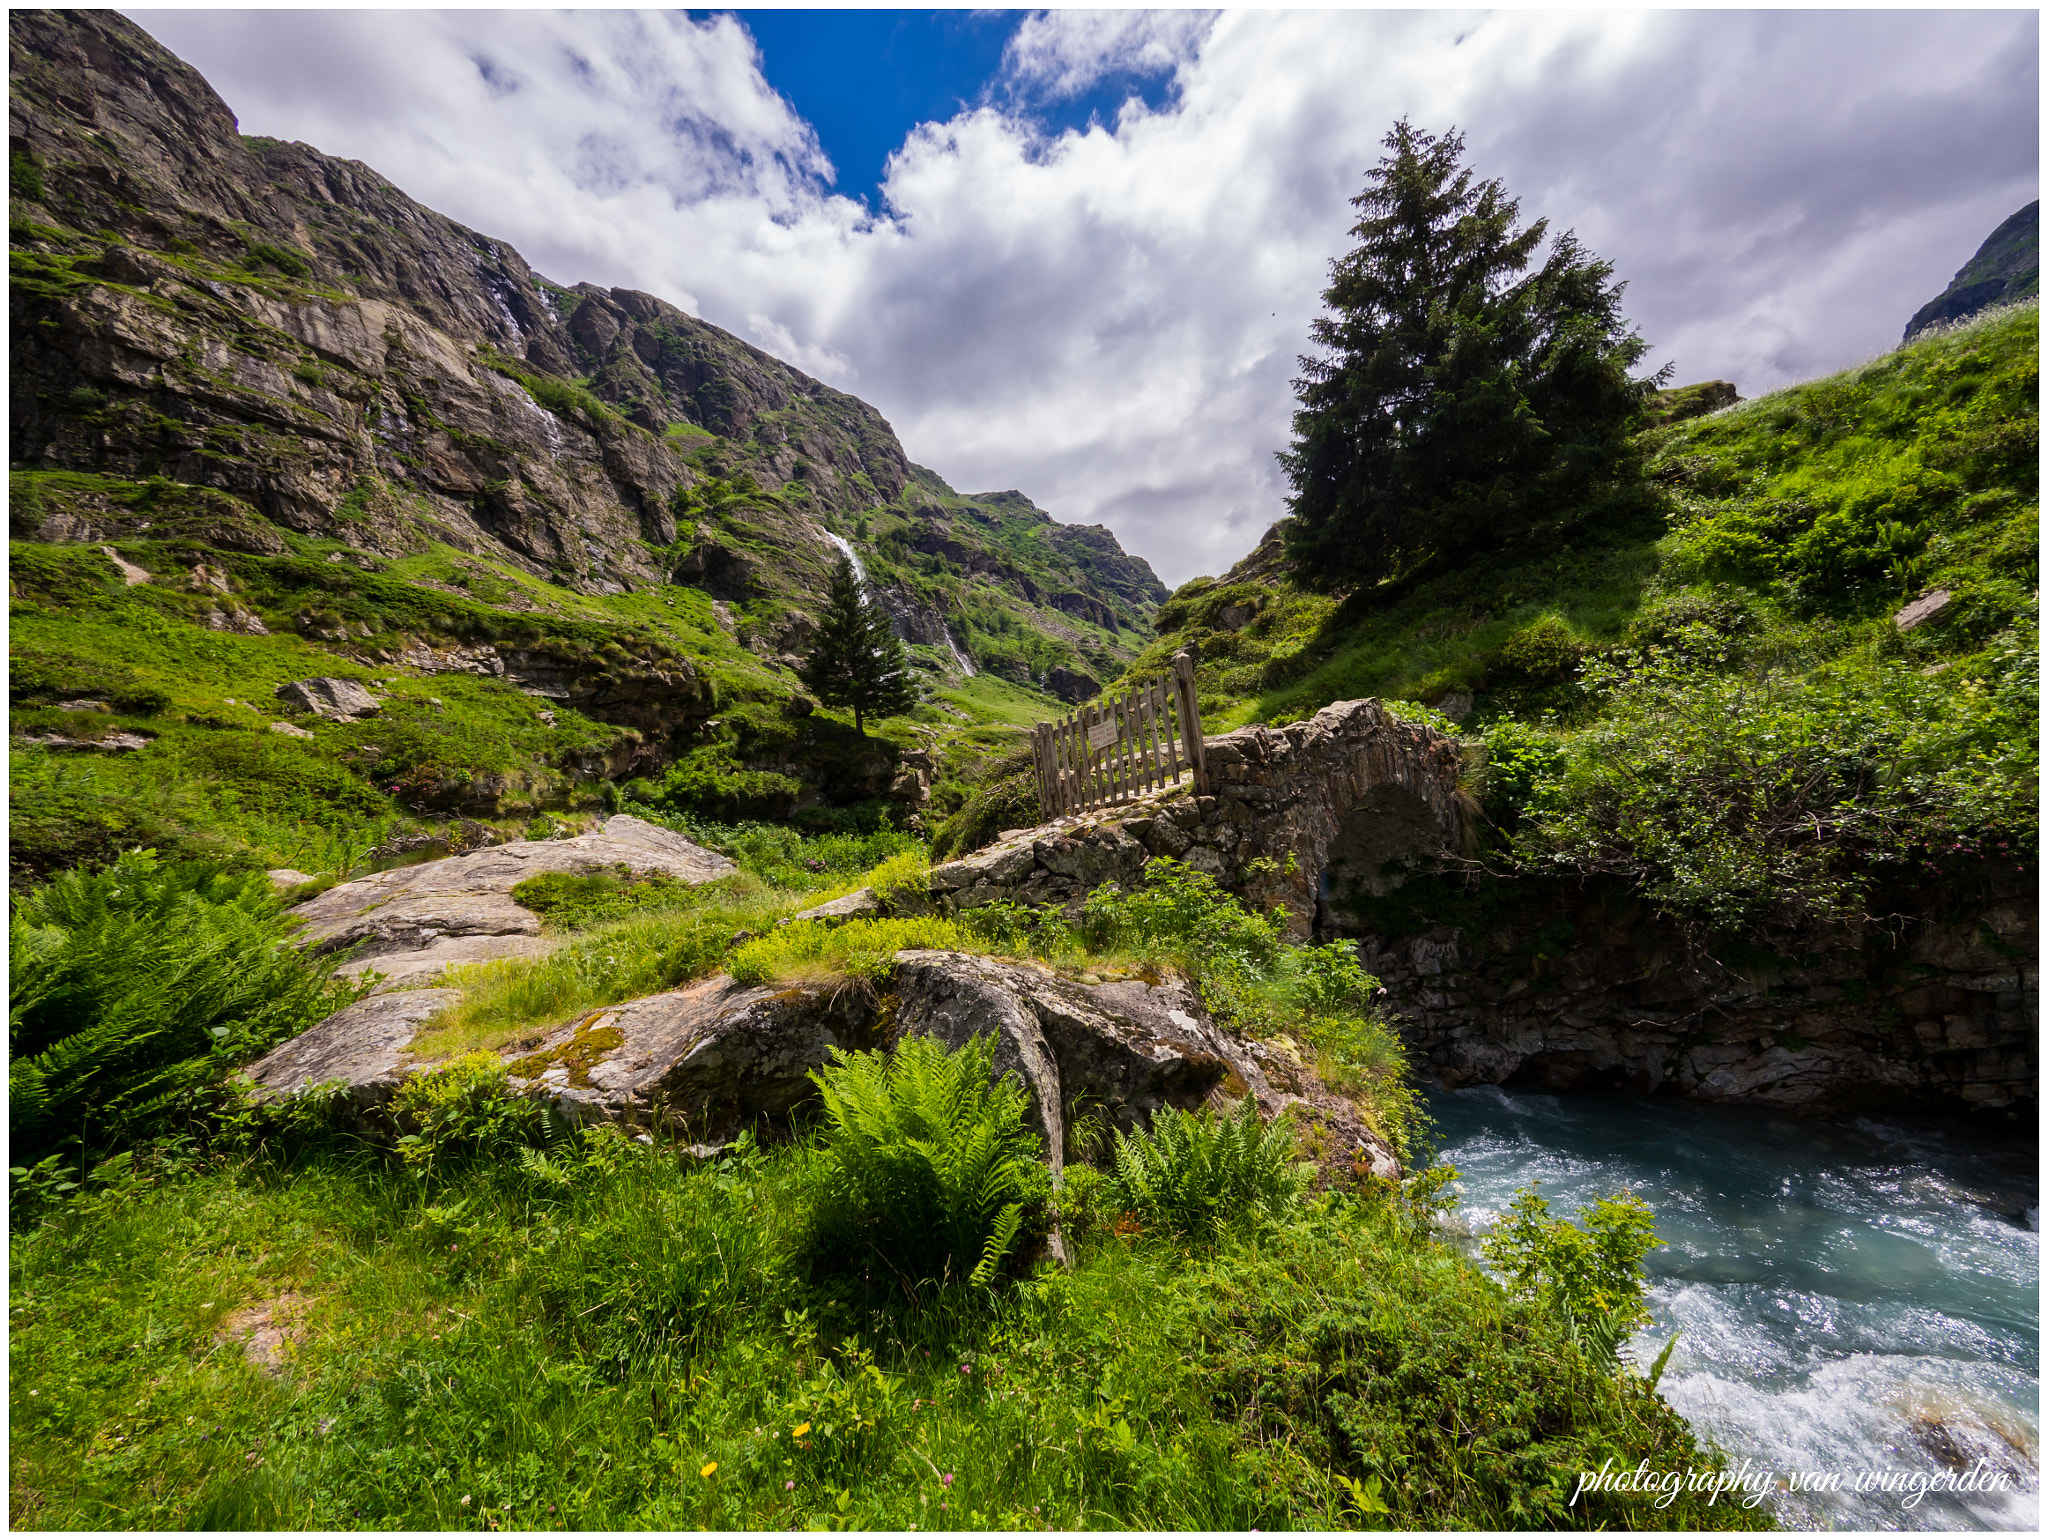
(338, 700)
(717, 1056)
(412, 923)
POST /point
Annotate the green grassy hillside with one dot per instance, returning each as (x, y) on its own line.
(1705, 690)
(660, 676)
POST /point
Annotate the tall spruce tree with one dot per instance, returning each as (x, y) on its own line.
(1456, 405)
(857, 660)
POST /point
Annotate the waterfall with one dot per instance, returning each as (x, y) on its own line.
(860, 573)
(851, 555)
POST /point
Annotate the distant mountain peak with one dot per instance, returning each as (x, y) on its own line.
(2007, 267)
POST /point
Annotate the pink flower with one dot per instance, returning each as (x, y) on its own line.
(947, 1478)
(789, 1486)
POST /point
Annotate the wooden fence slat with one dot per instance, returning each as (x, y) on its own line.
(1166, 731)
(1148, 746)
(1163, 724)
(1070, 766)
(1159, 776)
(1134, 717)
(1119, 767)
(1085, 752)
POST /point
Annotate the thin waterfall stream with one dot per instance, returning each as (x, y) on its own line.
(860, 572)
(1850, 1296)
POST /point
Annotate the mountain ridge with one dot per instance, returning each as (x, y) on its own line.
(246, 288)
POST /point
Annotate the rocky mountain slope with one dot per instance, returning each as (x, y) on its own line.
(256, 390)
(2006, 268)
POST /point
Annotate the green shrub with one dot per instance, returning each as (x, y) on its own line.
(463, 1109)
(1590, 1273)
(576, 901)
(1769, 804)
(1005, 798)
(137, 986)
(928, 1159)
(1193, 1174)
(1183, 915)
(903, 879)
(280, 258)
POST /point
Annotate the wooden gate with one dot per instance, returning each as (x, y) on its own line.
(1122, 748)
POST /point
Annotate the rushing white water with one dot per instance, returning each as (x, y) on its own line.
(847, 550)
(860, 572)
(1849, 1296)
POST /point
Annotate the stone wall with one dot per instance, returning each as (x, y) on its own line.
(1582, 988)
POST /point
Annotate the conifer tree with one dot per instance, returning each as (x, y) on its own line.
(857, 660)
(1461, 401)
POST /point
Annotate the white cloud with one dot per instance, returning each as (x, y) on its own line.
(1061, 54)
(1109, 319)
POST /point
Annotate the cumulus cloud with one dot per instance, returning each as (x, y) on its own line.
(1061, 54)
(1109, 318)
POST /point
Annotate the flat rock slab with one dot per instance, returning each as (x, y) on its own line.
(712, 1057)
(362, 1046)
(411, 970)
(402, 922)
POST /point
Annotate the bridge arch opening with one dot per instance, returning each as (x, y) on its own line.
(1383, 837)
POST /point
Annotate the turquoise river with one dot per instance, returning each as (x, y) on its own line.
(1856, 1301)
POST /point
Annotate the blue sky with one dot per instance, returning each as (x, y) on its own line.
(864, 79)
(953, 216)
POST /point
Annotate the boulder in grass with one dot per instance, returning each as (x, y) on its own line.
(338, 700)
(1923, 609)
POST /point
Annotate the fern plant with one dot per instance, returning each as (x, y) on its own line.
(1192, 1174)
(930, 1157)
(134, 986)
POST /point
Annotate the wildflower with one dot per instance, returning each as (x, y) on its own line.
(967, 1368)
(800, 1430)
(947, 1478)
(709, 1467)
(789, 1486)
(465, 1499)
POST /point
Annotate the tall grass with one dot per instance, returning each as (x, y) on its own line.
(623, 959)
(626, 1340)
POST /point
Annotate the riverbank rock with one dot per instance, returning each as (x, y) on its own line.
(362, 1046)
(411, 923)
(1582, 988)
(716, 1056)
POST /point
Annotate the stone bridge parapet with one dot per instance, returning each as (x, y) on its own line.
(1292, 814)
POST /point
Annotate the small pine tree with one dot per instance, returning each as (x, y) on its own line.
(857, 660)
(1461, 401)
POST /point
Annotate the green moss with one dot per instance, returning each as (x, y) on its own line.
(577, 1054)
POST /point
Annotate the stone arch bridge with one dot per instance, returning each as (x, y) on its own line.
(1293, 816)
